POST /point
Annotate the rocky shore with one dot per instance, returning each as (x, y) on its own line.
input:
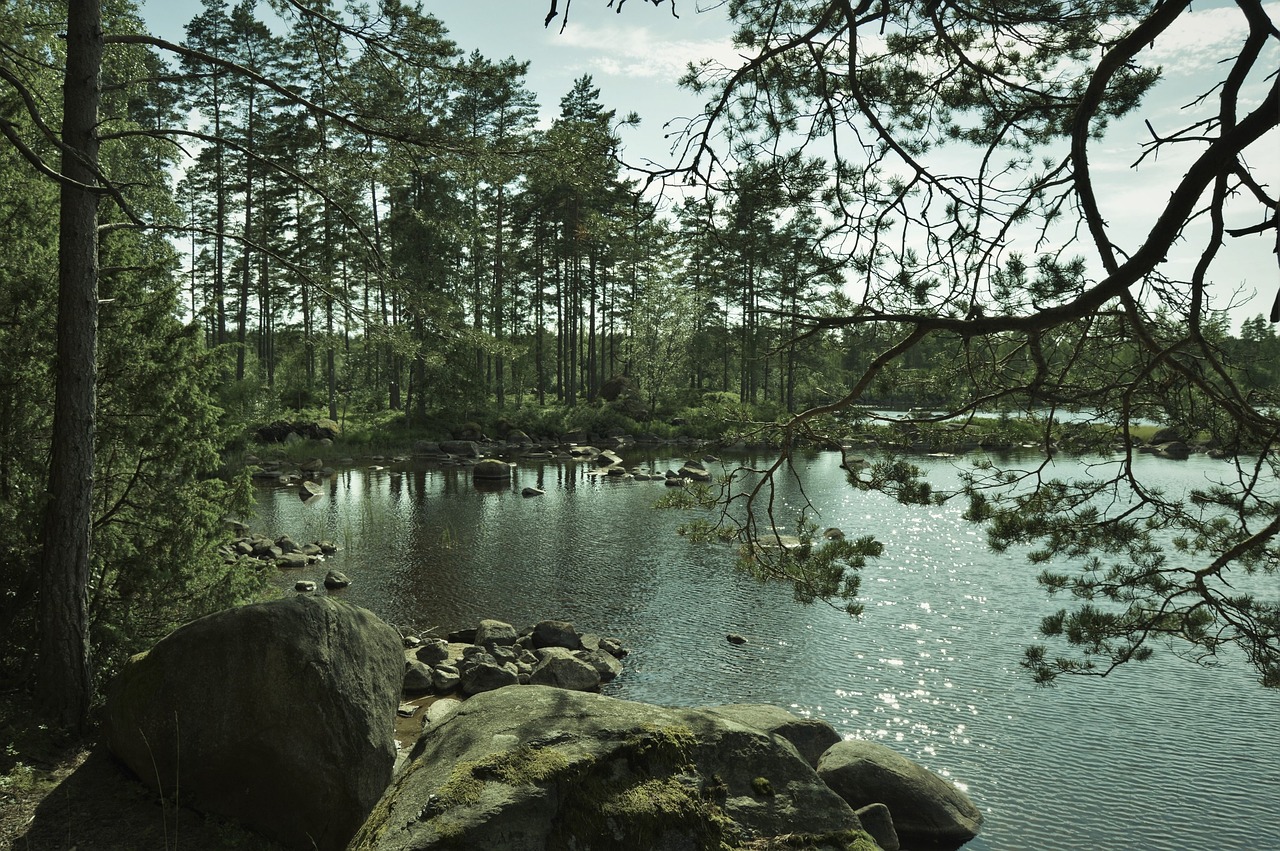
(280, 715)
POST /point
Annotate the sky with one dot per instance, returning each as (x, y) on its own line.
(636, 56)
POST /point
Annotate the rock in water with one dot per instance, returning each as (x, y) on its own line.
(534, 768)
(926, 809)
(491, 468)
(280, 715)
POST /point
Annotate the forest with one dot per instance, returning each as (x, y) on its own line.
(346, 215)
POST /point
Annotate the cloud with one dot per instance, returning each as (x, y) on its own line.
(641, 52)
(1200, 39)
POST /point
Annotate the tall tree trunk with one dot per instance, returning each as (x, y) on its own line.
(562, 332)
(246, 277)
(330, 269)
(499, 312)
(539, 317)
(64, 683)
(591, 328)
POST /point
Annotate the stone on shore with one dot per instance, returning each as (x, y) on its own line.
(279, 715)
(559, 667)
(926, 809)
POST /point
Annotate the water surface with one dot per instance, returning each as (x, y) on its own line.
(1163, 755)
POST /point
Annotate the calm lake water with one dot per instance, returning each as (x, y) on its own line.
(1162, 755)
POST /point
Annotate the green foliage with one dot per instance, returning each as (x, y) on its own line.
(829, 571)
(722, 415)
(158, 502)
(1136, 573)
(901, 479)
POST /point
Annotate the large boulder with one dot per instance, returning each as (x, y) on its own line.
(461, 448)
(1169, 434)
(694, 470)
(280, 715)
(561, 668)
(491, 468)
(811, 736)
(555, 633)
(926, 809)
(492, 633)
(532, 767)
(1174, 450)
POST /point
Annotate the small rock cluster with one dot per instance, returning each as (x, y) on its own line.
(283, 431)
(306, 479)
(282, 552)
(495, 654)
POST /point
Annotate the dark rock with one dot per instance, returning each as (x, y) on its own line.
(492, 632)
(335, 579)
(927, 810)
(232, 525)
(463, 636)
(735, 638)
(487, 676)
(291, 561)
(227, 710)
(518, 437)
(418, 678)
(1168, 434)
(878, 821)
(553, 633)
(446, 678)
(560, 668)
(1174, 450)
(608, 668)
(530, 491)
(613, 647)
(461, 448)
(432, 651)
(304, 586)
(608, 458)
(695, 471)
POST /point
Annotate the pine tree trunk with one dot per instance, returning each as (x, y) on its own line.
(64, 684)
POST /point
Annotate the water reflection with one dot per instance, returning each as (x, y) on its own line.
(1166, 756)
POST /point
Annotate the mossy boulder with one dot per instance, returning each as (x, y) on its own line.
(528, 768)
(280, 715)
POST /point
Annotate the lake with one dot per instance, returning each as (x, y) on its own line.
(1160, 755)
